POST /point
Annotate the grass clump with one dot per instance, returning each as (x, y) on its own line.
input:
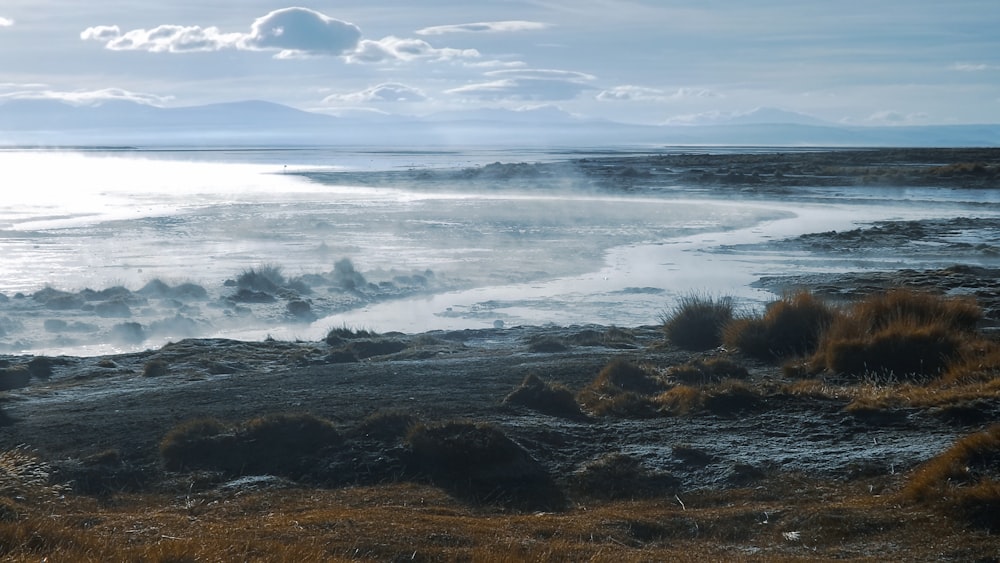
(287, 445)
(964, 479)
(712, 370)
(267, 278)
(619, 476)
(478, 462)
(622, 388)
(545, 397)
(155, 368)
(791, 326)
(697, 322)
(902, 333)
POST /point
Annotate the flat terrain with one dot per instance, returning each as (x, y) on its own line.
(790, 470)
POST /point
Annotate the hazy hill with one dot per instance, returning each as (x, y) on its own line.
(49, 122)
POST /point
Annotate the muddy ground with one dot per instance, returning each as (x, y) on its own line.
(87, 407)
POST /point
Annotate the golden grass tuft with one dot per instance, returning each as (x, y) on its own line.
(789, 327)
(621, 388)
(964, 479)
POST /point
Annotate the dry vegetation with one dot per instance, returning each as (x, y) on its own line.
(462, 490)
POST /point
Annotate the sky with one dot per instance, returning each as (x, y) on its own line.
(871, 62)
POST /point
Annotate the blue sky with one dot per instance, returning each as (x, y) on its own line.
(647, 61)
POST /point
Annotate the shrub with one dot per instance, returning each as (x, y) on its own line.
(904, 333)
(902, 350)
(618, 476)
(546, 344)
(287, 445)
(963, 480)
(680, 400)
(696, 323)
(620, 388)
(544, 397)
(386, 425)
(338, 336)
(14, 378)
(790, 326)
(479, 462)
(267, 278)
(284, 444)
(731, 397)
(700, 372)
(194, 444)
(155, 368)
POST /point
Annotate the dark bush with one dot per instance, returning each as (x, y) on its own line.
(286, 445)
(696, 323)
(198, 444)
(546, 344)
(155, 368)
(618, 476)
(544, 397)
(338, 336)
(14, 378)
(386, 425)
(480, 463)
(713, 370)
(791, 326)
(621, 389)
(266, 278)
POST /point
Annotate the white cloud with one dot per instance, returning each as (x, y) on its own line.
(973, 67)
(397, 49)
(88, 97)
(162, 39)
(290, 31)
(6, 22)
(387, 92)
(528, 84)
(642, 94)
(300, 30)
(483, 27)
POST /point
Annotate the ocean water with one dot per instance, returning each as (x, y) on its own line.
(538, 251)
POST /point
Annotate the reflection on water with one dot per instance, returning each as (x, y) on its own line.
(536, 254)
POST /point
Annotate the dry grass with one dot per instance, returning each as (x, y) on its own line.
(791, 326)
(696, 322)
(788, 520)
(621, 388)
(904, 333)
(963, 480)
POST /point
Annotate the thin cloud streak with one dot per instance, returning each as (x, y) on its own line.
(484, 27)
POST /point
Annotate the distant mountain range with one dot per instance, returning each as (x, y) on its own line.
(254, 123)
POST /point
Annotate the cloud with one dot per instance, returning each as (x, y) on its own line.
(163, 39)
(393, 48)
(293, 32)
(300, 30)
(88, 97)
(6, 22)
(642, 94)
(387, 92)
(973, 67)
(528, 84)
(483, 27)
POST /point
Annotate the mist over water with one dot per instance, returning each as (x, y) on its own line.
(538, 251)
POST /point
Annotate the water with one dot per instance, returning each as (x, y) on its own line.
(537, 251)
